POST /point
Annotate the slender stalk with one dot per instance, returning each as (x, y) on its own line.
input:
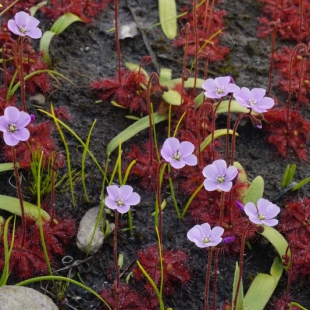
(20, 196)
(196, 45)
(208, 276)
(116, 306)
(21, 74)
(240, 264)
(300, 19)
(149, 111)
(205, 16)
(118, 47)
(210, 16)
(158, 200)
(216, 259)
(228, 128)
(233, 143)
(273, 41)
(213, 128)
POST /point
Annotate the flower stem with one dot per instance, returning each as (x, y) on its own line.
(208, 276)
(20, 197)
(240, 264)
(116, 306)
(118, 48)
(213, 128)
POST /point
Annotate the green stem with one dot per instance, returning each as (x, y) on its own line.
(190, 200)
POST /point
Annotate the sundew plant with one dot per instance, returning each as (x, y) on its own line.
(198, 197)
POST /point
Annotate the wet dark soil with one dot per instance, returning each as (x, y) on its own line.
(86, 52)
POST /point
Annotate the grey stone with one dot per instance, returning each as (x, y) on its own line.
(24, 298)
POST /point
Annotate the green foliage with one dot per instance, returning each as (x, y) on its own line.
(6, 167)
(12, 205)
(239, 304)
(255, 191)
(61, 24)
(263, 287)
(287, 179)
(168, 17)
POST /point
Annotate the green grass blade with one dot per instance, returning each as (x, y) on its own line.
(64, 141)
(218, 133)
(84, 158)
(284, 182)
(34, 9)
(6, 167)
(132, 130)
(301, 184)
(64, 21)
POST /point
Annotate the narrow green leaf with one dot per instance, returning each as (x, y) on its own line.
(172, 97)
(6, 167)
(168, 17)
(241, 293)
(45, 42)
(64, 21)
(301, 184)
(290, 174)
(132, 130)
(263, 287)
(284, 177)
(12, 205)
(34, 9)
(218, 133)
(277, 240)
(255, 191)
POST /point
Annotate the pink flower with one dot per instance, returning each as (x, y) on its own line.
(219, 87)
(263, 213)
(203, 236)
(254, 99)
(121, 198)
(178, 154)
(218, 176)
(13, 124)
(25, 25)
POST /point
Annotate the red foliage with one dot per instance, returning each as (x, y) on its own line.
(212, 47)
(300, 75)
(289, 15)
(28, 259)
(128, 299)
(128, 93)
(174, 264)
(85, 9)
(286, 136)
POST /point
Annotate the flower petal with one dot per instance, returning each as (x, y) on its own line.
(210, 185)
(221, 167)
(22, 19)
(206, 230)
(125, 191)
(262, 205)
(231, 173)
(3, 124)
(250, 209)
(35, 33)
(11, 114)
(22, 134)
(225, 186)
(9, 139)
(258, 94)
(272, 211)
(32, 23)
(134, 199)
(110, 203)
(186, 148)
(177, 164)
(190, 160)
(222, 81)
(209, 85)
(123, 209)
(113, 192)
(195, 233)
(216, 232)
(272, 222)
(210, 172)
(13, 27)
(24, 120)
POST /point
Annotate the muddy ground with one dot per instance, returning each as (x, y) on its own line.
(84, 53)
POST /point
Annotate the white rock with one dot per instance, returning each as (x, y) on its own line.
(24, 298)
(86, 228)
